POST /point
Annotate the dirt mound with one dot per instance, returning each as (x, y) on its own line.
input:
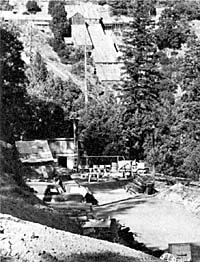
(26, 241)
(186, 195)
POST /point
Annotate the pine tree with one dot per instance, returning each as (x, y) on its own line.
(119, 7)
(140, 89)
(38, 68)
(12, 84)
(60, 26)
(179, 147)
(173, 29)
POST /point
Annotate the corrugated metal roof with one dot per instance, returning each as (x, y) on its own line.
(36, 151)
(104, 50)
(109, 72)
(80, 35)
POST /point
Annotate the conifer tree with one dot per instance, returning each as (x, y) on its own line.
(140, 88)
(60, 26)
(12, 84)
(38, 69)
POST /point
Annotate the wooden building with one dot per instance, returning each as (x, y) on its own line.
(185, 252)
(65, 152)
(36, 158)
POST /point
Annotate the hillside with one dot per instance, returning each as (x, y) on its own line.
(17, 199)
(35, 40)
(32, 231)
(25, 241)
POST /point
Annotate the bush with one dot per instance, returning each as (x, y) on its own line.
(32, 7)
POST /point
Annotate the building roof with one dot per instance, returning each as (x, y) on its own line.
(104, 49)
(195, 26)
(36, 151)
(108, 72)
(88, 10)
(117, 20)
(80, 35)
(68, 40)
(9, 15)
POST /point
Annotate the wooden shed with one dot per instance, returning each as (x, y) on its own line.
(65, 150)
(77, 19)
(185, 252)
(36, 158)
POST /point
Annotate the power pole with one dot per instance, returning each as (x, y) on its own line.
(85, 66)
(31, 38)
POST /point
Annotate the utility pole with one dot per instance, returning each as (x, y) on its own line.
(31, 37)
(85, 66)
(153, 148)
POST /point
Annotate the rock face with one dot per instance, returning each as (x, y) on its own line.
(26, 241)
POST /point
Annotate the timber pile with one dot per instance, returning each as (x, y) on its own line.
(141, 184)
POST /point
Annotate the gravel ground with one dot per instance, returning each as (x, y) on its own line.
(27, 241)
(157, 220)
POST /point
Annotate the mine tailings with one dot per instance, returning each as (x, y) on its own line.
(117, 232)
(157, 222)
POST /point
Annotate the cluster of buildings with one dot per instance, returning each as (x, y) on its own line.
(92, 27)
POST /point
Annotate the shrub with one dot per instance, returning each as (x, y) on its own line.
(32, 7)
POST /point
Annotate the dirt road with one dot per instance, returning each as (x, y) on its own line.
(157, 222)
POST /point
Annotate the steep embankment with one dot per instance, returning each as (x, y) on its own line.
(186, 195)
(49, 238)
(25, 241)
(17, 199)
(34, 41)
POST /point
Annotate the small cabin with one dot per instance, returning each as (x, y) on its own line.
(77, 19)
(36, 158)
(185, 252)
(65, 152)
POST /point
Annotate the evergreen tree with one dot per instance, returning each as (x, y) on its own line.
(177, 140)
(188, 111)
(119, 7)
(173, 29)
(52, 4)
(12, 79)
(38, 69)
(60, 26)
(141, 89)
(101, 126)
